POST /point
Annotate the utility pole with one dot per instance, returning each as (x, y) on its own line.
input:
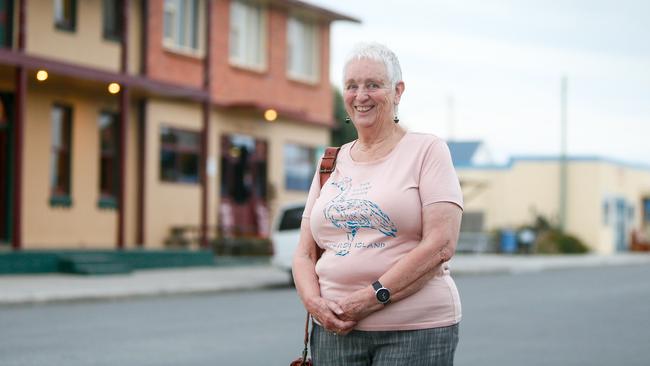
(563, 152)
(451, 120)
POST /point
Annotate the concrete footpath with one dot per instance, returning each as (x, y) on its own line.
(34, 289)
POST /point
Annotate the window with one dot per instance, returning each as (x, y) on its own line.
(247, 36)
(299, 166)
(60, 165)
(302, 50)
(181, 25)
(65, 14)
(646, 211)
(112, 19)
(108, 158)
(179, 155)
(6, 26)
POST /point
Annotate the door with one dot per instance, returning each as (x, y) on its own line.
(620, 224)
(243, 209)
(6, 103)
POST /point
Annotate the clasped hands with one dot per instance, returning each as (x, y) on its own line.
(341, 316)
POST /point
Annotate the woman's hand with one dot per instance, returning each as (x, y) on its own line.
(326, 313)
(358, 305)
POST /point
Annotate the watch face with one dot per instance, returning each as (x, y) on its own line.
(383, 295)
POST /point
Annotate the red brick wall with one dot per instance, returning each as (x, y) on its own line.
(271, 88)
(166, 65)
(233, 85)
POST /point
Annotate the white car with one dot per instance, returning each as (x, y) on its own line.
(285, 234)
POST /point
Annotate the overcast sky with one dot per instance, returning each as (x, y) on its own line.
(499, 63)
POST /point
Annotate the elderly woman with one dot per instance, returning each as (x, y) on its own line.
(387, 221)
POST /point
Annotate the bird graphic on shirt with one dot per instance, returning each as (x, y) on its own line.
(352, 214)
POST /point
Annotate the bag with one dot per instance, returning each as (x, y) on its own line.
(327, 165)
(304, 360)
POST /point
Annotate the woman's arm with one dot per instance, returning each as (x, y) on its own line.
(304, 275)
(440, 230)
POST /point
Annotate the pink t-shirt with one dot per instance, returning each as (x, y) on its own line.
(368, 215)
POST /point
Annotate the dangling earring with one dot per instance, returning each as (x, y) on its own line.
(396, 119)
(347, 120)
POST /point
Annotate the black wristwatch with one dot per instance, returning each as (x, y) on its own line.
(381, 292)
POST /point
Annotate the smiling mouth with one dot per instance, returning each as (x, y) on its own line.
(363, 108)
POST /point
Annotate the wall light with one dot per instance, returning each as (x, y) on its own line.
(41, 75)
(270, 115)
(113, 88)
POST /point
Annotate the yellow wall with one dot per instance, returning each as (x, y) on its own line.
(86, 45)
(276, 134)
(84, 224)
(511, 197)
(168, 204)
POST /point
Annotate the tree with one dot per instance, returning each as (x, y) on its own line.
(342, 132)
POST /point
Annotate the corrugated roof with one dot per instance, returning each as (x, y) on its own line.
(316, 10)
(462, 152)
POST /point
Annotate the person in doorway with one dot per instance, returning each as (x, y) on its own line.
(387, 221)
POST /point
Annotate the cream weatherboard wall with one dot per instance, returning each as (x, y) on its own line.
(276, 134)
(176, 204)
(511, 196)
(83, 224)
(168, 204)
(85, 45)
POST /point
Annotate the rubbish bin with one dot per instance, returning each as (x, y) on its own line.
(508, 241)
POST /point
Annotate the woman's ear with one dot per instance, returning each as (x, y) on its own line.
(399, 89)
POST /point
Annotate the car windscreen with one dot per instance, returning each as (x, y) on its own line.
(291, 219)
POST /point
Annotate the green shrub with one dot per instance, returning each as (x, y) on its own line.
(554, 241)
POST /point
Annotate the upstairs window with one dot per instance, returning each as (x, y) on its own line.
(181, 24)
(303, 45)
(65, 14)
(112, 19)
(108, 158)
(179, 155)
(247, 35)
(60, 164)
(6, 23)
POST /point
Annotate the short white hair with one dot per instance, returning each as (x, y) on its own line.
(378, 52)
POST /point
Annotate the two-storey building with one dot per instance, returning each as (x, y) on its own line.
(122, 119)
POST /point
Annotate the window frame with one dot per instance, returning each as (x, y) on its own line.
(179, 150)
(315, 42)
(244, 61)
(63, 24)
(107, 32)
(108, 196)
(197, 32)
(60, 192)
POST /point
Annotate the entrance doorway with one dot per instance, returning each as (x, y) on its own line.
(6, 118)
(243, 209)
(621, 213)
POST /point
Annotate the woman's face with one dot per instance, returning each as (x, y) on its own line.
(368, 95)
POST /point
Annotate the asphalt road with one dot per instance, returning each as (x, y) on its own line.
(597, 316)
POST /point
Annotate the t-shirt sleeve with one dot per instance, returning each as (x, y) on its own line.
(438, 179)
(314, 192)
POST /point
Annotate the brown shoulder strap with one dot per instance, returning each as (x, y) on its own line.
(328, 163)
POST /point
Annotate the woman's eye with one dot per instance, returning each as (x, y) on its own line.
(351, 87)
(373, 86)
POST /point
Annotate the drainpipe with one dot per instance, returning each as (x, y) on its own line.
(142, 126)
(205, 141)
(124, 119)
(563, 156)
(19, 122)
